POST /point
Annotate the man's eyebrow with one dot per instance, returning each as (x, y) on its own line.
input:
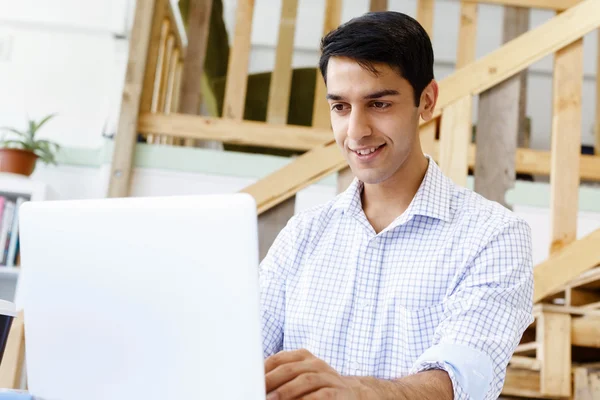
(382, 93)
(374, 95)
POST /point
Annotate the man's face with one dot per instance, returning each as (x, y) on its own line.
(374, 118)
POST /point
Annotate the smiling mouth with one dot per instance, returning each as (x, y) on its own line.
(368, 153)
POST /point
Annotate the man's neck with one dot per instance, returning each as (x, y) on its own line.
(384, 202)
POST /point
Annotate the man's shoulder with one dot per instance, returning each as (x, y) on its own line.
(484, 216)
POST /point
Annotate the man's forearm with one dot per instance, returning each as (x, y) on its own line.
(427, 385)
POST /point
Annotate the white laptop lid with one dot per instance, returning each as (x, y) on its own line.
(142, 298)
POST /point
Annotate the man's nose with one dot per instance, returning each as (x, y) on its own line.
(358, 125)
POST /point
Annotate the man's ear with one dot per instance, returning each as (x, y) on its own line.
(428, 100)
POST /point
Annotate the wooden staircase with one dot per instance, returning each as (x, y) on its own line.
(544, 364)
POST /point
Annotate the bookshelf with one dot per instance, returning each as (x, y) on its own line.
(15, 189)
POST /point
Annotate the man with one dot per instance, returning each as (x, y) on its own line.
(405, 286)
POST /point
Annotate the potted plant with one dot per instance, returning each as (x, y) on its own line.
(19, 155)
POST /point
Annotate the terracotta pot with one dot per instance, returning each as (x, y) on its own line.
(17, 161)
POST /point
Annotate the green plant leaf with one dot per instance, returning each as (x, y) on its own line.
(8, 143)
(42, 122)
(22, 134)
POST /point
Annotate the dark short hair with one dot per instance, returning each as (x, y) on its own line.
(388, 37)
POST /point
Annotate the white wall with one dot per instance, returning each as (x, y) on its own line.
(66, 56)
(62, 56)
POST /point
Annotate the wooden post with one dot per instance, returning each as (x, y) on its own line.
(155, 106)
(456, 125)
(553, 335)
(237, 68)
(321, 117)
(425, 13)
(378, 5)
(140, 57)
(193, 64)
(271, 222)
(170, 95)
(11, 369)
(333, 15)
(566, 143)
(500, 122)
(467, 34)
(281, 78)
(455, 137)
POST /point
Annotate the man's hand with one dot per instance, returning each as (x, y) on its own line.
(300, 375)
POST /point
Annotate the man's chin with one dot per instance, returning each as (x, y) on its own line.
(371, 177)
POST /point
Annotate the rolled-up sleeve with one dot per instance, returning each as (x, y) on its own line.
(485, 315)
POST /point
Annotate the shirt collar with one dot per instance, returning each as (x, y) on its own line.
(431, 200)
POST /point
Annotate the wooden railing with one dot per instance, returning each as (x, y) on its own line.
(158, 43)
(496, 78)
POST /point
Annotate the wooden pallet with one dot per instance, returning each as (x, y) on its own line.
(583, 291)
(560, 337)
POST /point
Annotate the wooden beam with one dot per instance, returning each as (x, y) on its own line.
(301, 138)
(178, 27)
(566, 143)
(158, 37)
(281, 78)
(122, 159)
(333, 16)
(552, 274)
(522, 383)
(284, 183)
(581, 297)
(237, 67)
(585, 332)
(530, 363)
(467, 34)
(159, 76)
(520, 53)
(425, 14)
(484, 73)
(554, 337)
(252, 133)
(558, 5)
(378, 5)
(193, 63)
(455, 135)
(11, 368)
(500, 115)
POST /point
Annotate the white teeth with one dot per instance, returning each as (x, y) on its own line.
(364, 152)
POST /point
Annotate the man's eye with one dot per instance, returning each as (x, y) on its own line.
(380, 104)
(337, 107)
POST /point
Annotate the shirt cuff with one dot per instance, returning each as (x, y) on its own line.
(470, 370)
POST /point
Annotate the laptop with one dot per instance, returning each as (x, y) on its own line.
(142, 298)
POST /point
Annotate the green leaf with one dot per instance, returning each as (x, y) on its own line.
(23, 134)
(42, 122)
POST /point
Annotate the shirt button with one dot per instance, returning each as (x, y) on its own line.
(355, 366)
(363, 305)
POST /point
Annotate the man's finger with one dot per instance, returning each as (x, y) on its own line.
(287, 372)
(302, 385)
(285, 357)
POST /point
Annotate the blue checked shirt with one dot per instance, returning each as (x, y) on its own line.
(447, 285)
